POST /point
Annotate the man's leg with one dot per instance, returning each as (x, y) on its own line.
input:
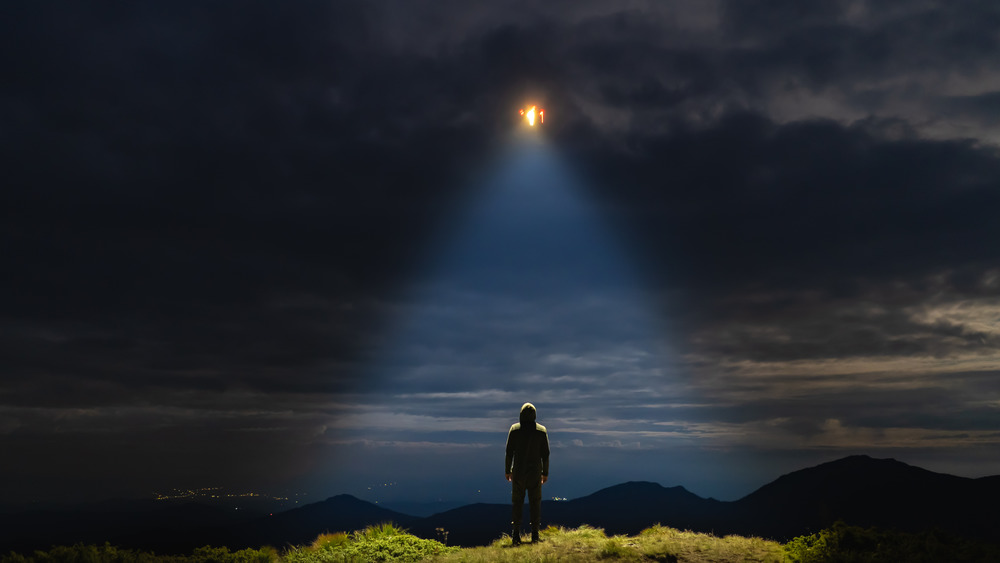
(516, 509)
(535, 504)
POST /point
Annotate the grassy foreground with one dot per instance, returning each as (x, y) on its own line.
(388, 543)
(658, 543)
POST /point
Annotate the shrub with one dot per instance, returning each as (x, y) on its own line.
(851, 544)
(383, 530)
(403, 548)
(380, 543)
(330, 541)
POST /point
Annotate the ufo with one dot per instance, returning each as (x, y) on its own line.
(530, 112)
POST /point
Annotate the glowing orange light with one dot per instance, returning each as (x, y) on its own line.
(530, 112)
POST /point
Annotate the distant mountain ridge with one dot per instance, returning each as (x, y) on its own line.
(302, 525)
(872, 492)
(858, 489)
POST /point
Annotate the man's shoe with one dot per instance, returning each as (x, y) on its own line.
(535, 538)
(515, 540)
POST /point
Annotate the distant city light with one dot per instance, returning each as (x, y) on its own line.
(217, 493)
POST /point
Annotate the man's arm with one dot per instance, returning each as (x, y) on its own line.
(545, 457)
(508, 461)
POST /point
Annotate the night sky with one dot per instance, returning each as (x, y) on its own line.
(312, 246)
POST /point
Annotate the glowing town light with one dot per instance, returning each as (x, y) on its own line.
(529, 114)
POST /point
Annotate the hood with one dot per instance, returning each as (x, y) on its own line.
(527, 413)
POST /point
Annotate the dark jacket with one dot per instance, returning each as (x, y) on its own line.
(527, 447)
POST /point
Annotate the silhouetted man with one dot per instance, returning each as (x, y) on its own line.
(527, 467)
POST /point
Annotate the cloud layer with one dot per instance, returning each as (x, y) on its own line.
(238, 228)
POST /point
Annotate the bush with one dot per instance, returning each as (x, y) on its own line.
(381, 543)
(330, 541)
(850, 544)
(383, 530)
(403, 548)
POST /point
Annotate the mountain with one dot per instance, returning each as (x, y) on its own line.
(625, 508)
(422, 508)
(859, 490)
(302, 525)
(870, 492)
(632, 506)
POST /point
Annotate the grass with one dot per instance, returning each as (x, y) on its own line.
(376, 544)
(389, 543)
(658, 543)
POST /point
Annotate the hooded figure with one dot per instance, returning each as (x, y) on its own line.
(526, 466)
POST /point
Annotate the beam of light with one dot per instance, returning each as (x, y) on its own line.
(526, 297)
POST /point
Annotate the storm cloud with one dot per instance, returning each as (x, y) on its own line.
(235, 228)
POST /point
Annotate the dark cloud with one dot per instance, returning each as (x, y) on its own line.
(750, 198)
(224, 216)
(984, 107)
